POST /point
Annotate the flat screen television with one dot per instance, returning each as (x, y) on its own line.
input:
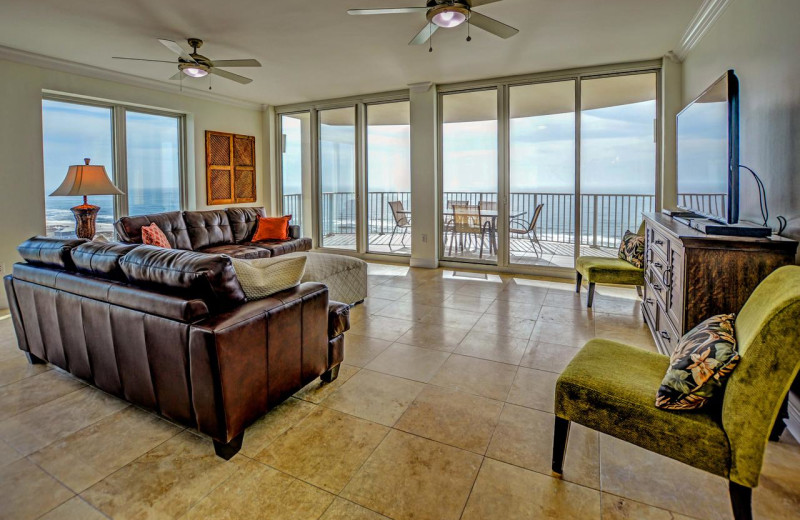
(708, 152)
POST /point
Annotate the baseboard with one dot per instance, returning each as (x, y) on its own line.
(425, 263)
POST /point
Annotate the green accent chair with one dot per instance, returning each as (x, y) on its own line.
(603, 269)
(727, 440)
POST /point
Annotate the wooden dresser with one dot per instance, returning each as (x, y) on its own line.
(691, 276)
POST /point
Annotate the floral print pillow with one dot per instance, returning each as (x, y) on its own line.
(700, 364)
(632, 249)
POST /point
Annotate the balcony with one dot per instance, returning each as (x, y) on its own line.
(604, 220)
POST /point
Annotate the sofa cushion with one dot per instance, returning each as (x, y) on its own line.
(272, 228)
(631, 249)
(243, 251)
(153, 236)
(601, 269)
(243, 222)
(208, 228)
(277, 247)
(101, 259)
(263, 277)
(188, 274)
(49, 252)
(129, 229)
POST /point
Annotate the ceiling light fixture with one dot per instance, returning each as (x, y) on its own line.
(448, 16)
(194, 70)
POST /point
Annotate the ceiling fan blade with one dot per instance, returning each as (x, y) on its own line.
(388, 10)
(178, 75)
(237, 63)
(142, 59)
(230, 75)
(477, 3)
(491, 25)
(423, 35)
(177, 49)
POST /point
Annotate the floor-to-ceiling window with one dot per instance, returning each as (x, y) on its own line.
(618, 158)
(296, 168)
(72, 132)
(151, 174)
(337, 175)
(469, 175)
(542, 174)
(389, 213)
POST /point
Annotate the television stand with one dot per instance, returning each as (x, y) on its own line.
(742, 229)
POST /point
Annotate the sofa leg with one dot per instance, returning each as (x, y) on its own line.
(330, 375)
(33, 360)
(560, 436)
(590, 298)
(741, 501)
(578, 280)
(226, 451)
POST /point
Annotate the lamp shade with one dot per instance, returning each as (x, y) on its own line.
(87, 179)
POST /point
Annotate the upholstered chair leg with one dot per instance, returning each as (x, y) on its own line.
(578, 280)
(330, 375)
(33, 360)
(226, 451)
(590, 298)
(741, 501)
(560, 436)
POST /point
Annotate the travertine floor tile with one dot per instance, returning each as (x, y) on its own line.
(502, 325)
(409, 477)
(526, 294)
(27, 492)
(85, 457)
(566, 298)
(317, 390)
(437, 337)
(369, 306)
(777, 496)
(8, 454)
(476, 376)
(163, 483)
(257, 492)
(32, 391)
(380, 327)
(74, 509)
(549, 357)
(462, 420)
(567, 334)
(618, 508)
(534, 389)
(580, 316)
(419, 364)
(504, 349)
(268, 428)
(467, 303)
(17, 367)
(377, 397)
(405, 310)
(453, 317)
(524, 437)
(360, 350)
(525, 311)
(387, 293)
(342, 509)
(36, 428)
(325, 449)
(512, 493)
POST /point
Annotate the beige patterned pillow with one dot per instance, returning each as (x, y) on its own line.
(262, 277)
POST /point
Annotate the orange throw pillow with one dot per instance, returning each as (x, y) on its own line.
(272, 228)
(153, 236)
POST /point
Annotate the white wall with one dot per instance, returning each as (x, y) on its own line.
(21, 167)
(761, 42)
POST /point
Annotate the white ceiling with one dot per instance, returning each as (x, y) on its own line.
(313, 50)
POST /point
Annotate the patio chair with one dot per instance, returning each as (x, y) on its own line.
(604, 269)
(402, 220)
(611, 388)
(528, 229)
(488, 223)
(448, 224)
(466, 225)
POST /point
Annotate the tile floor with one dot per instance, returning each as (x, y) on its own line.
(442, 411)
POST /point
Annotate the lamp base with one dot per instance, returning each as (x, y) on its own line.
(85, 218)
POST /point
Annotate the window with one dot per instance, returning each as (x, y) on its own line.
(151, 176)
(296, 167)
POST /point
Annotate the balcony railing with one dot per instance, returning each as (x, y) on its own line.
(604, 217)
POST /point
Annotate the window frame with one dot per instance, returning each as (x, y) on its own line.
(119, 143)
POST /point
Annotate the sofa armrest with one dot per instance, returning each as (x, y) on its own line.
(338, 318)
(294, 231)
(246, 360)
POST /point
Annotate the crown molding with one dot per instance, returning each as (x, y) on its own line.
(72, 67)
(706, 16)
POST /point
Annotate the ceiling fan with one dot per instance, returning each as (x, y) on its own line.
(197, 66)
(448, 14)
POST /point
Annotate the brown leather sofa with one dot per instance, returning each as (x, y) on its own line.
(220, 231)
(171, 331)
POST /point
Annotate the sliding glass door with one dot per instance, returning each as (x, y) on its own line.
(337, 176)
(618, 158)
(296, 180)
(469, 176)
(389, 215)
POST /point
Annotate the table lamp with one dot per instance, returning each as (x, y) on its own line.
(86, 179)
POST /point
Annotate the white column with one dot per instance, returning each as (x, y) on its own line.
(671, 104)
(424, 177)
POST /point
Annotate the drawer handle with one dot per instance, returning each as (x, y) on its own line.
(658, 264)
(657, 287)
(665, 335)
(659, 243)
(667, 281)
(650, 301)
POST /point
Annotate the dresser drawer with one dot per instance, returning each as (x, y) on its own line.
(649, 301)
(658, 242)
(655, 286)
(666, 333)
(655, 261)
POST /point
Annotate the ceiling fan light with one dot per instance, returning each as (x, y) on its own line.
(195, 72)
(448, 17)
